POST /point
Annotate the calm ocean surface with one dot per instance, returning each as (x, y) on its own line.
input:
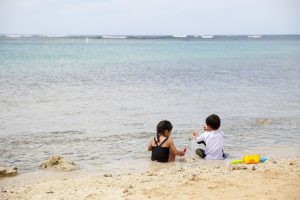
(98, 102)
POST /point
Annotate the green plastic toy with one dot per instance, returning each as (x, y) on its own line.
(236, 162)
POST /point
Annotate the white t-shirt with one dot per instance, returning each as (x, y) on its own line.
(214, 144)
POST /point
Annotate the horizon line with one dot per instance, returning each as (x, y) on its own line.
(57, 34)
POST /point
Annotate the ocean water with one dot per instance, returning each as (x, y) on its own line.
(98, 101)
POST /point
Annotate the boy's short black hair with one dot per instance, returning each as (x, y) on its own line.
(213, 121)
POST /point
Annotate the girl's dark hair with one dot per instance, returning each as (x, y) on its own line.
(162, 126)
(213, 121)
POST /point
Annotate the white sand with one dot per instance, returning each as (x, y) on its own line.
(278, 179)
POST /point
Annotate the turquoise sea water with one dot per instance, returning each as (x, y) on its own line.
(99, 101)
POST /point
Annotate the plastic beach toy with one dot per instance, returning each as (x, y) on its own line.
(252, 159)
(184, 150)
(236, 162)
(263, 159)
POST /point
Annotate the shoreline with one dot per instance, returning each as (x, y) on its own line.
(143, 163)
(277, 178)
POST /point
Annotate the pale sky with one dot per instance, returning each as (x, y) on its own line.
(150, 17)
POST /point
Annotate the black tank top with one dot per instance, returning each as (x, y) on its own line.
(159, 153)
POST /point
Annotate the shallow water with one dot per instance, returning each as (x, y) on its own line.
(98, 103)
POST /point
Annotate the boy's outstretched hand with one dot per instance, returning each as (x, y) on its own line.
(195, 133)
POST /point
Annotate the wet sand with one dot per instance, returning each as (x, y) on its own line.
(275, 179)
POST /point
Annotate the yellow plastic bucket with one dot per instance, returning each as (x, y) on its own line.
(252, 159)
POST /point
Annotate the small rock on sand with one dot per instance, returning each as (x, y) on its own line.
(193, 177)
(152, 174)
(58, 162)
(125, 190)
(238, 167)
(8, 171)
(107, 175)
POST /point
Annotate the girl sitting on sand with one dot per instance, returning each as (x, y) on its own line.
(162, 146)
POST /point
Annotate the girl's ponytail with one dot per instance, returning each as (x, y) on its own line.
(162, 126)
(157, 135)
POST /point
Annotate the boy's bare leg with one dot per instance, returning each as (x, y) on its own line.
(201, 153)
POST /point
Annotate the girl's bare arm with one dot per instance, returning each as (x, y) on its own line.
(174, 150)
(150, 146)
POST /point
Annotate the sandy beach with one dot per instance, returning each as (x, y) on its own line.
(275, 179)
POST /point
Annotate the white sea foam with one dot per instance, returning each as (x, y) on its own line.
(54, 36)
(179, 36)
(254, 36)
(207, 36)
(13, 36)
(113, 37)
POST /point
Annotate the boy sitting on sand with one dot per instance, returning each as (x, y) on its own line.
(212, 138)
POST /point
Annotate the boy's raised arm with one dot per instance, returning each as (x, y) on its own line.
(197, 137)
(195, 133)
